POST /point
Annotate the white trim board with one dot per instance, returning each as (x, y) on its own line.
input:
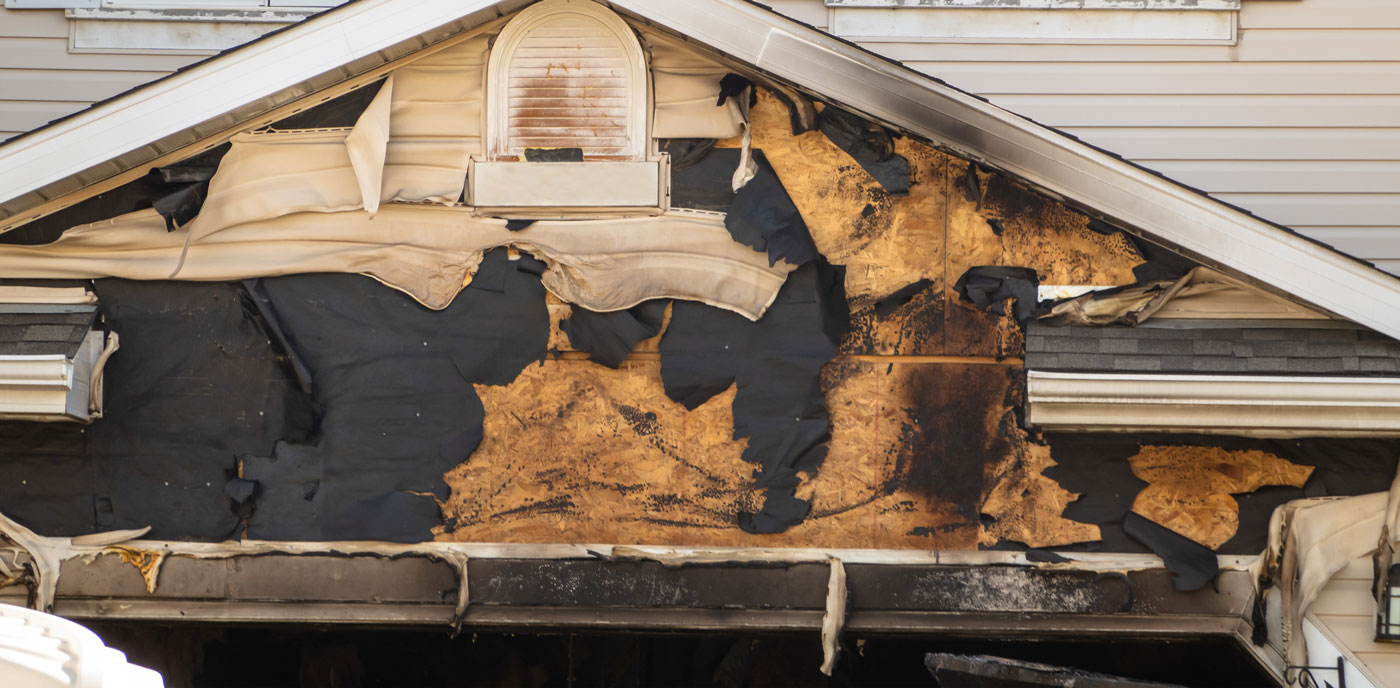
(1260, 406)
(1104, 185)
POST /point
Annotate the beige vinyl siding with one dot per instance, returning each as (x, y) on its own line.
(41, 81)
(1298, 122)
(1346, 611)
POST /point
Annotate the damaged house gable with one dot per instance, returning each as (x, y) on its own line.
(678, 275)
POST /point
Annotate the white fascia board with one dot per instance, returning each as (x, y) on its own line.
(1265, 406)
(1053, 162)
(208, 90)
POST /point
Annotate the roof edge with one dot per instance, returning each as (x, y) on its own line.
(1219, 234)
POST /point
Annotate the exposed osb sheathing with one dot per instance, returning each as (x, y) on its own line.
(576, 452)
(1188, 488)
(1021, 504)
(935, 233)
(884, 242)
(1035, 232)
(924, 454)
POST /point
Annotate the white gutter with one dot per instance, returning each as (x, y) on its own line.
(1264, 406)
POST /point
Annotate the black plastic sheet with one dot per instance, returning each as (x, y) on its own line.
(776, 363)
(870, 145)
(393, 381)
(196, 386)
(1192, 564)
(609, 337)
(987, 286)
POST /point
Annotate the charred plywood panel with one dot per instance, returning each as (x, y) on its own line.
(577, 452)
(886, 242)
(923, 453)
(1188, 488)
(994, 221)
(903, 254)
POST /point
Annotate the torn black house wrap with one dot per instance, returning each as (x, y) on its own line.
(1192, 564)
(776, 363)
(394, 382)
(1095, 466)
(195, 386)
(868, 144)
(609, 337)
(987, 286)
(760, 215)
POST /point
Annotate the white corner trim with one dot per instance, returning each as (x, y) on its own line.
(1265, 406)
(35, 386)
(50, 387)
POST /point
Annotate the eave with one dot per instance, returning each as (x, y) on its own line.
(1260, 406)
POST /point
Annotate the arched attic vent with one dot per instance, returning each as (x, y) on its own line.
(567, 74)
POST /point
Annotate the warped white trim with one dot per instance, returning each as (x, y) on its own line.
(1263, 406)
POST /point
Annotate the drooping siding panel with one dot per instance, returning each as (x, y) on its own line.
(1298, 122)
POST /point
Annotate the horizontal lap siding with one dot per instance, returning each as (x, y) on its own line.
(1348, 612)
(40, 81)
(1299, 122)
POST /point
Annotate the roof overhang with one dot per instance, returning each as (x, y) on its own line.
(214, 98)
(1261, 406)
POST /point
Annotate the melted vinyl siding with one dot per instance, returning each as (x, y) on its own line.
(41, 81)
(1299, 122)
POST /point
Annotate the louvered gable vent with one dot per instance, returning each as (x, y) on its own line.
(569, 75)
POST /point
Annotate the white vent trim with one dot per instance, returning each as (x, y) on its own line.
(498, 123)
